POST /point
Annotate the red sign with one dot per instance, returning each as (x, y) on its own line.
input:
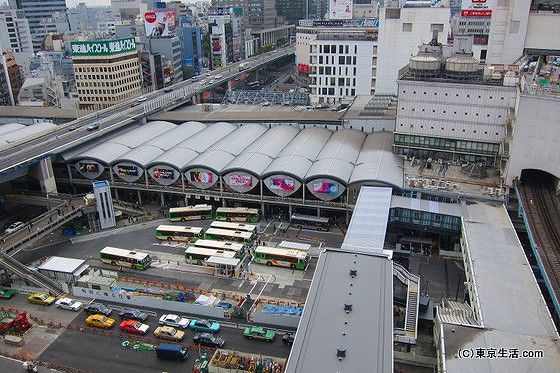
(150, 17)
(476, 13)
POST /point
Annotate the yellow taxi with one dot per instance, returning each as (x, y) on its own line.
(100, 321)
(169, 333)
(41, 298)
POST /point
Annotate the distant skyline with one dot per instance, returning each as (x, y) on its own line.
(73, 3)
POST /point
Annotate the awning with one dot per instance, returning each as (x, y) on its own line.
(223, 261)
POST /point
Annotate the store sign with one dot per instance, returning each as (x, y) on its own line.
(325, 188)
(282, 184)
(240, 180)
(163, 173)
(201, 177)
(88, 168)
(476, 8)
(124, 170)
(103, 47)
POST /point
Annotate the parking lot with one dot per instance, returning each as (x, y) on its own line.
(69, 342)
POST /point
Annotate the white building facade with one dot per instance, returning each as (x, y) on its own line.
(401, 31)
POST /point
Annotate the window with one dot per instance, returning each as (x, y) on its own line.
(407, 27)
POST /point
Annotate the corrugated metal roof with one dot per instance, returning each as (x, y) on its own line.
(273, 141)
(27, 131)
(254, 163)
(289, 165)
(367, 228)
(10, 127)
(330, 167)
(377, 162)
(180, 133)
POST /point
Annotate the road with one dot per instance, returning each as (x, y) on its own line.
(51, 142)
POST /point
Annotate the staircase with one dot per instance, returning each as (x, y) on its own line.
(410, 331)
(12, 265)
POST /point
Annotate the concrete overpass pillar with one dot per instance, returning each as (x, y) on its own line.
(289, 211)
(139, 197)
(162, 199)
(229, 86)
(43, 172)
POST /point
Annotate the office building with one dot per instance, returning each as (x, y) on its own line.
(36, 12)
(107, 71)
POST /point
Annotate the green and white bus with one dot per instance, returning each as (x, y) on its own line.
(125, 258)
(199, 255)
(231, 226)
(237, 248)
(196, 212)
(246, 238)
(237, 214)
(275, 256)
(178, 233)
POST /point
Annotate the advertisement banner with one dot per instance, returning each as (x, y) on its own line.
(163, 173)
(476, 8)
(240, 180)
(340, 9)
(88, 168)
(201, 177)
(160, 23)
(325, 188)
(103, 47)
(281, 184)
(124, 170)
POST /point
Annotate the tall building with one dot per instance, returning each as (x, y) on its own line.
(12, 75)
(16, 36)
(37, 11)
(401, 31)
(107, 71)
(191, 42)
(129, 10)
(450, 109)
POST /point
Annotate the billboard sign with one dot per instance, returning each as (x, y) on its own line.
(88, 168)
(340, 9)
(240, 180)
(160, 23)
(476, 8)
(103, 47)
(201, 177)
(281, 184)
(163, 173)
(325, 188)
(127, 170)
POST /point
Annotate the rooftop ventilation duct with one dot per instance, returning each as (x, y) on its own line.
(347, 307)
(341, 352)
(353, 272)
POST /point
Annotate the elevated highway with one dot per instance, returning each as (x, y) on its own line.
(22, 153)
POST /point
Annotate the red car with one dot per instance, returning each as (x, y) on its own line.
(134, 327)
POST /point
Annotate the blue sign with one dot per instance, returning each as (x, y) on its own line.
(189, 60)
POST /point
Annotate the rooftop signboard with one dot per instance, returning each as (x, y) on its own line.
(103, 47)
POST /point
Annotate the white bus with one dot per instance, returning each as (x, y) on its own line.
(125, 258)
(236, 247)
(275, 256)
(319, 223)
(246, 238)
(178, 233)
(199, 255)
(234, 226)
(196, 212)
(237, 214)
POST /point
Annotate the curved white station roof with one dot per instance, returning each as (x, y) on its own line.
(109, 151)
(183, 153)
(16, 134)
(338, 156)
(224, 151)
(10, 127)
(297, 157)
(152, 149)
(377, 162)
(348, 156)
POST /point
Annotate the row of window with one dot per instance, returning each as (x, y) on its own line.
(445, 155)
(331, 91)
(105, 69)
(443, 129)
(107, 82)
(333, 81)
(333, 49)
(113, 76)
(447, 144)
(446, 94)
(454, 112)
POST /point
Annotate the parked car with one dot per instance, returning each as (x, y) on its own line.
(100, 321)
(260, 333)
(6, 293)
(134, 327)
(207, 326)
(69, 304)
(95, 307)
(174, 320)
(169, 351)
(141, 98)
(41, 298)
(133, 314)
(169, 333)
(210, 340)
(14, 227)
(288, 338)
